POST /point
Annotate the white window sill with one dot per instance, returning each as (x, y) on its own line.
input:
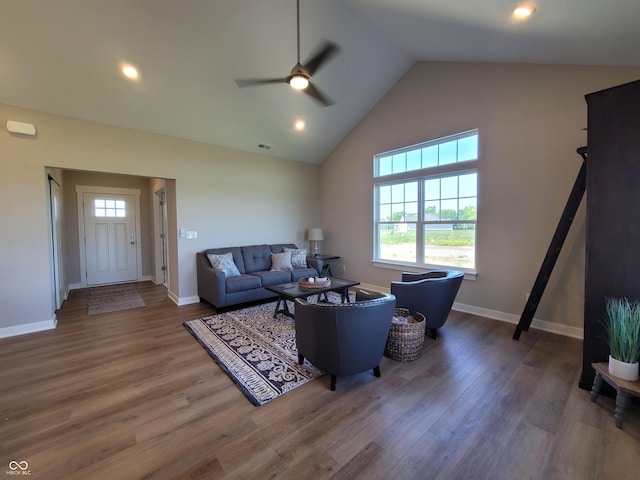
(469, 274)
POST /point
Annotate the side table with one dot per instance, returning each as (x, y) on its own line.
(625, 390)
(325, 271)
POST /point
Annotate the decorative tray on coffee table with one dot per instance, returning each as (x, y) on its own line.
(318, 282)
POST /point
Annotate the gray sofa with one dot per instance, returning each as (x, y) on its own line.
(254, 266)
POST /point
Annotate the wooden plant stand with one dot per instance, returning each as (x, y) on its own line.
(625, 390)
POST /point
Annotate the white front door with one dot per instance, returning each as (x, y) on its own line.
(110, 238)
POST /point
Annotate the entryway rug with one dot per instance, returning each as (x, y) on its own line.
(257, 351)
(113, 298)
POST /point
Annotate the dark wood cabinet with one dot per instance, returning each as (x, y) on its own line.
(612, 265)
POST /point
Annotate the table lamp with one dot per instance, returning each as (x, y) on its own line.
(315, 235)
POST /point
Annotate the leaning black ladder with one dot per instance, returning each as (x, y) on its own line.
(554, 248)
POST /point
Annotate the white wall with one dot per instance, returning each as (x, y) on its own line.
(530, 119)
(229, 197)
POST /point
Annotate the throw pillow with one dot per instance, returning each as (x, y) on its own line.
(225, 263)
(281, 262)
(298, 257)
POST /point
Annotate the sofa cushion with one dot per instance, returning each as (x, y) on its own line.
(235, 251)
(275, 277)
(257, 258)
(298, 257)
(281, 262)
(242, 283)
(225, 263)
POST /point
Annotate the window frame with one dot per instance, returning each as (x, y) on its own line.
(420, 176)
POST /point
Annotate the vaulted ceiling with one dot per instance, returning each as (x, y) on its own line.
(63, 56)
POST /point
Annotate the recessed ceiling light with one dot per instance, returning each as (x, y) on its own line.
(524, 10)
(299, 125)
(129, 71)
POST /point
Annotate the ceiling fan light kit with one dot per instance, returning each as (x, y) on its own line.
(300, 76)
(299, 81)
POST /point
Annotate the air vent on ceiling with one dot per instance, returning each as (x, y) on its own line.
(264, 146)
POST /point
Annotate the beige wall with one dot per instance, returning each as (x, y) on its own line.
(229, 197)
(530, 119)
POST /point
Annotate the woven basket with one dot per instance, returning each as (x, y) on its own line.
(406, 336)
(304, 283)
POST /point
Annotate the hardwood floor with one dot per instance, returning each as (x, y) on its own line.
(133, 395)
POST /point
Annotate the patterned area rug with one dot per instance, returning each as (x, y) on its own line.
(256, 350)
(113, 298)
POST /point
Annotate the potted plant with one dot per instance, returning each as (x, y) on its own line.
(623, 324)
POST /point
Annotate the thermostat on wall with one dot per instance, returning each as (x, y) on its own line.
(19, 127)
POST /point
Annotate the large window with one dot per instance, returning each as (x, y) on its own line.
(426, 200)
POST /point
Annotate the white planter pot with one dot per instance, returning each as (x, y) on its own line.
(623, 370)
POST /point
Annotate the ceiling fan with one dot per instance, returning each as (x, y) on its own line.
(300, 76)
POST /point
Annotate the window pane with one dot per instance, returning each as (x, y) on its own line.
(414, 162)
(411, 212)
(449, 187)
(432, 211)
(397, 242)
(384, 194)
(468, 148)
(432, 189)
(397, 212)
(399, 164)
(467, 209)
(448, 152)
(468, 185)
(449, 209)
(411, 192)
(446, 245)
(397, 193)
(384, 166)
(430, 156)
(385, 213)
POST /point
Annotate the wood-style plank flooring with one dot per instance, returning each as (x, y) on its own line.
(133, 395)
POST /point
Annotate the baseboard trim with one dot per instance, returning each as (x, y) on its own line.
(187, 301)
(543, 325)
(15, 330)
(181, 301)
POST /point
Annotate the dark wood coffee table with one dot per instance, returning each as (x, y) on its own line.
(291, 291)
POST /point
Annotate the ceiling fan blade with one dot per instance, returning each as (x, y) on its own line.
(249, 82)
(321, 56)
(312, 91)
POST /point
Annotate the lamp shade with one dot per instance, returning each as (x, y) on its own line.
(315, 234)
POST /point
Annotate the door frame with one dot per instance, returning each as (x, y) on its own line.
(55, 221)
(80, 191)
(161, 243)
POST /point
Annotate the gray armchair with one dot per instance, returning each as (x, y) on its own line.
(346, 338)
(430, 293)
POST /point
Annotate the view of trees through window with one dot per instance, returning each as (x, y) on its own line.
(430, 219)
